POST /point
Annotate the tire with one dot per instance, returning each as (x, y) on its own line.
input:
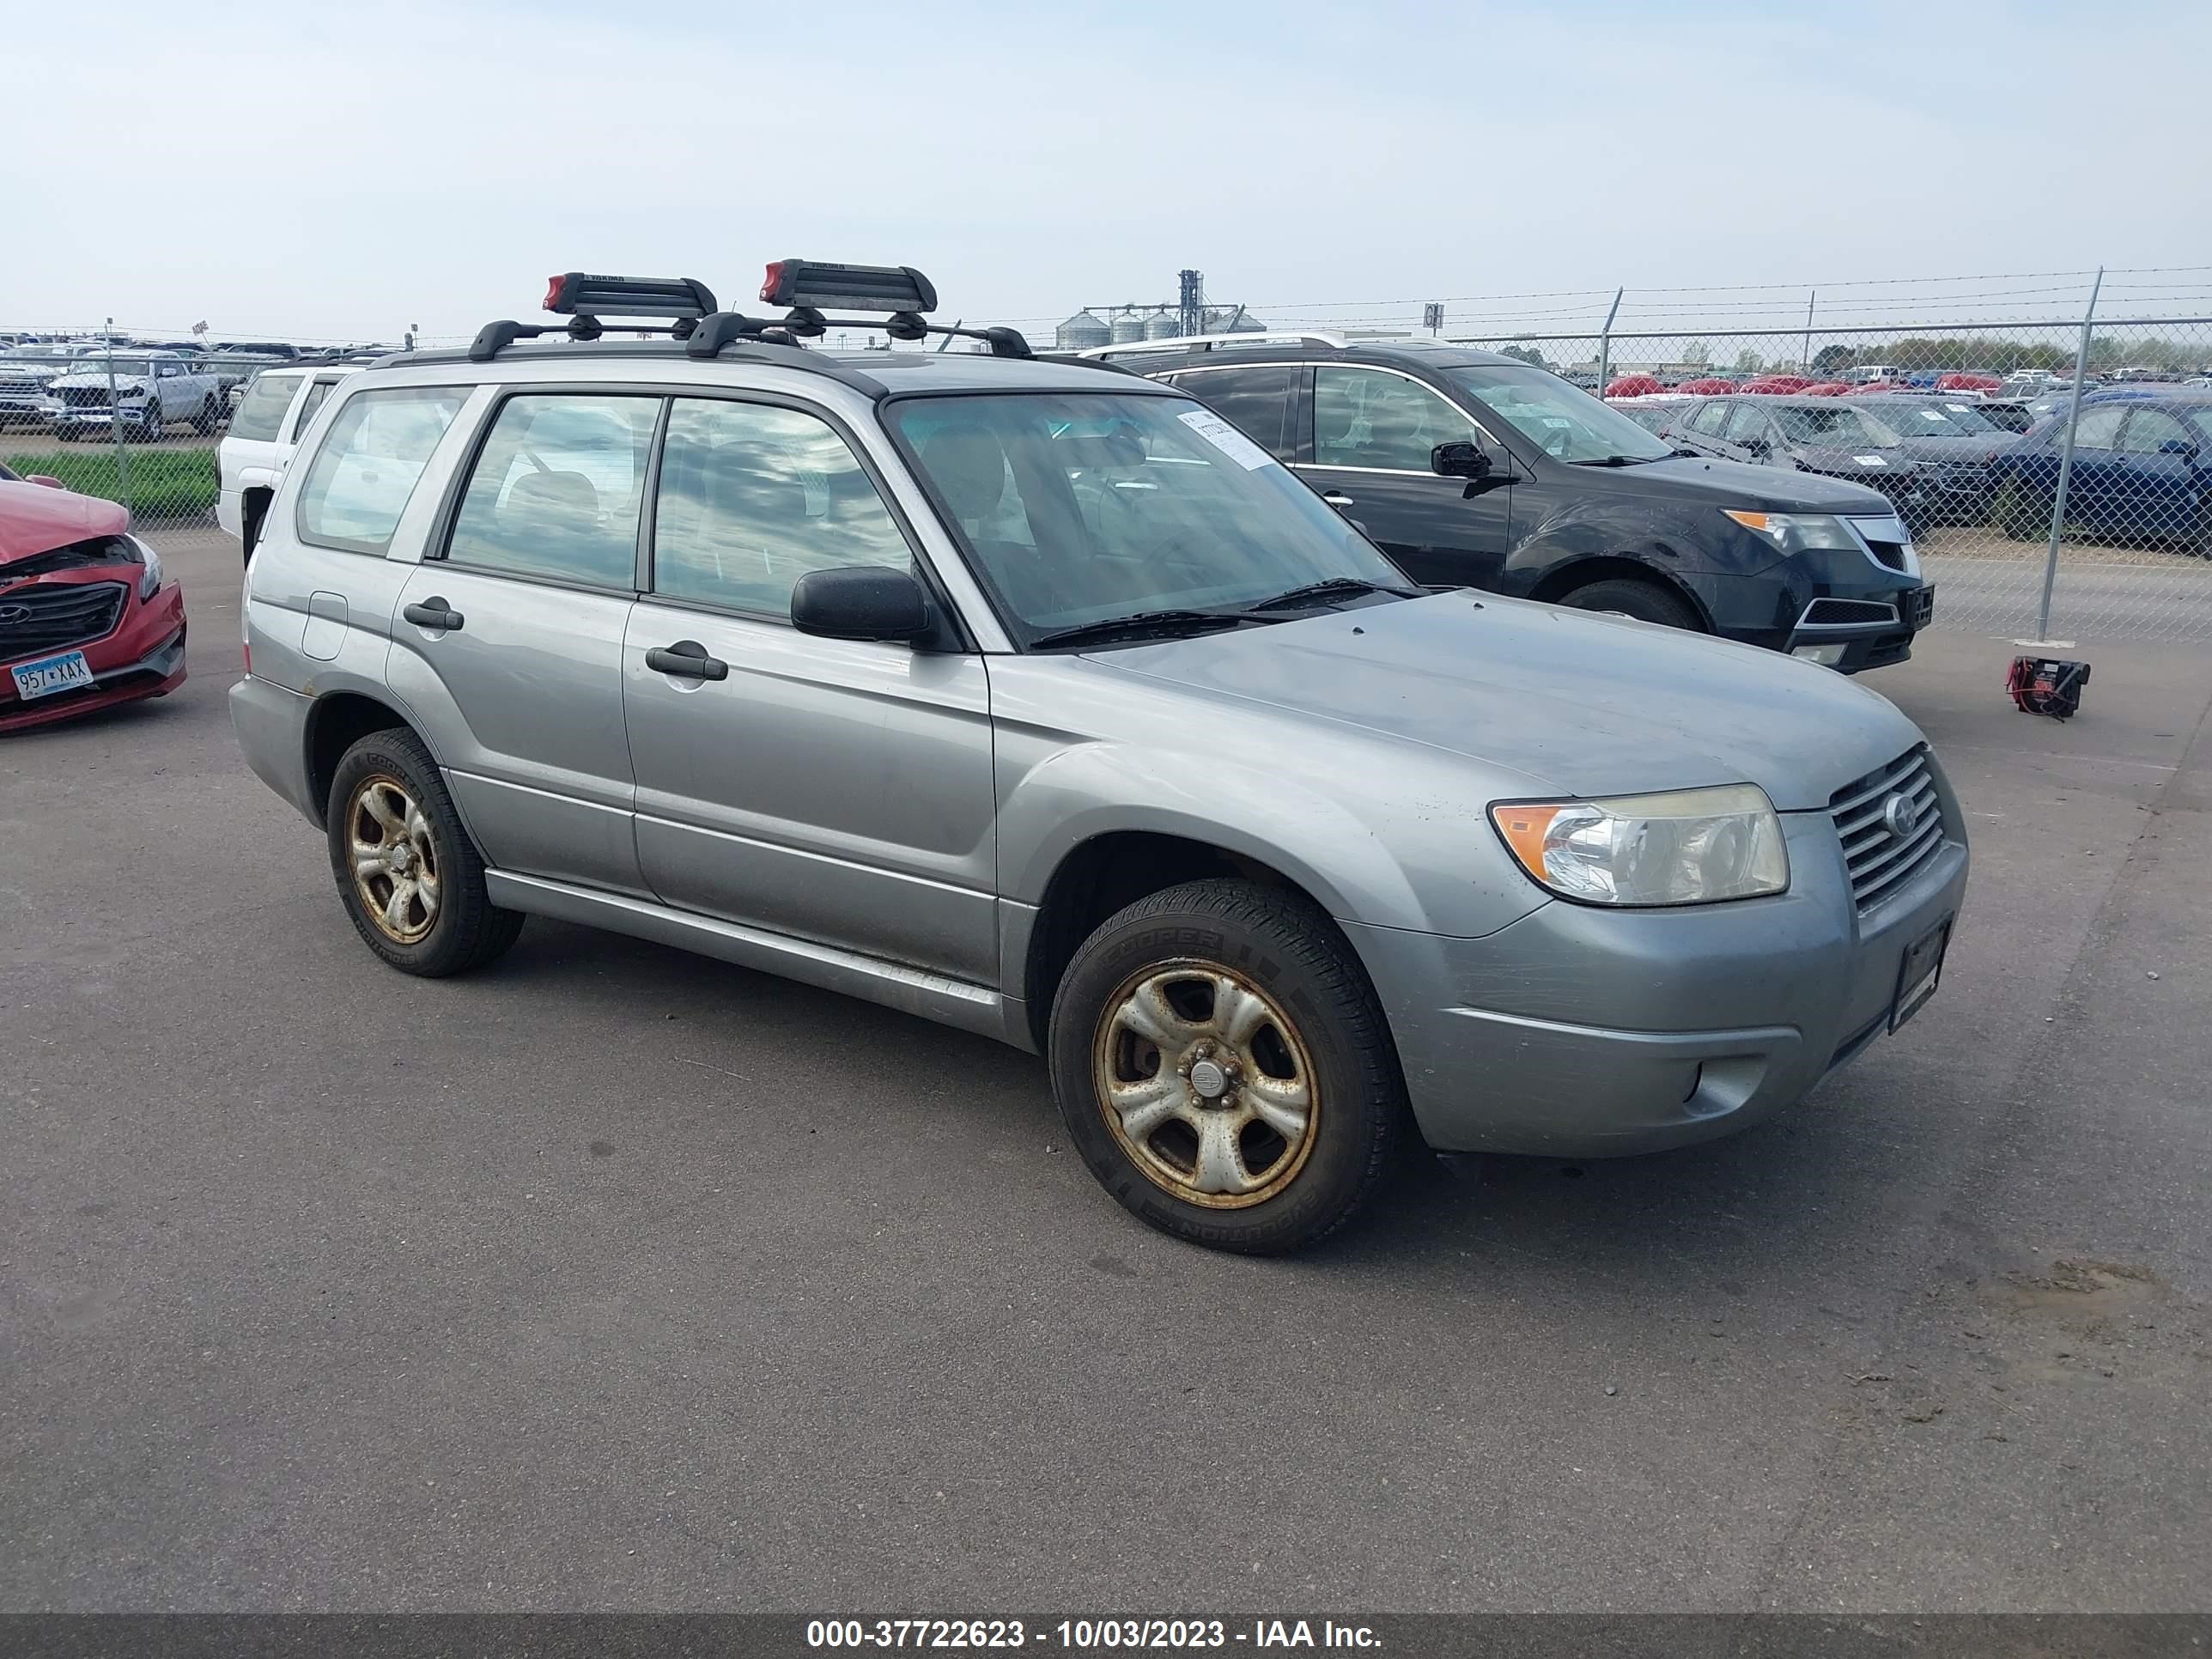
(151, 423)
(454, 926)
(1259, 983)
(204, 422)
(1627, 597)
(2014, 514)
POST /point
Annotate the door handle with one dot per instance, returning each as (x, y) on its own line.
(432, 612)
(687, 659)
(1337, 498)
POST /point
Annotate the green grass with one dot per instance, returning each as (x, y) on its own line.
(177, 483)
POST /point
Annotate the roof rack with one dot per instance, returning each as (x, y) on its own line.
(1181, 341)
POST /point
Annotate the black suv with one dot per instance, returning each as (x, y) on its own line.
(1476, 470)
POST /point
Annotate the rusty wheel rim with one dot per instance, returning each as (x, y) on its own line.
(1206, 1084)
(395, 860)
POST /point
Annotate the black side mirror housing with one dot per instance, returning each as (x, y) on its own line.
(2178, 447)
(860, 602)
(1459, 460)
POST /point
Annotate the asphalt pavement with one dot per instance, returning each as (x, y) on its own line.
(616, 1278)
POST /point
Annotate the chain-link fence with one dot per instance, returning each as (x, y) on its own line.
(2020, 496)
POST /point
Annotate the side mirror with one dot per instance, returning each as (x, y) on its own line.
(860, 602)
(1459, 460)
(47, 479)
(2178, 447)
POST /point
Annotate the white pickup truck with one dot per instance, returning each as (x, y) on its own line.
(143, 390)
(279, 404)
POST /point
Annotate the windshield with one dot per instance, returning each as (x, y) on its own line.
(1566, 423)
(1082, 506)
(1937, 419)
(1835, 426)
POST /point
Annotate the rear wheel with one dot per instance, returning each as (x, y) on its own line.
(204, 422)
(1624, 596)
(1224, 1069)
(412, 880)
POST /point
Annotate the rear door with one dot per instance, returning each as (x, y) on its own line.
(833, 790)
(1372, 430)
(507, 648)
(2091, 499)
(1258, 398)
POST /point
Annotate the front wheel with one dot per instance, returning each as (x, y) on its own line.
(1624, 596)
(2015, 514)
(1223, 1067)
(412, 881)
(204, 422)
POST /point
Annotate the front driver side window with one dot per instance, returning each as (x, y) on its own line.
(2097, 429)
(1364, 418)
(1708, 422)
(1747, 425)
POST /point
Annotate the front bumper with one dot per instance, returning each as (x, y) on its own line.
(144, 656)
(1584, 1032)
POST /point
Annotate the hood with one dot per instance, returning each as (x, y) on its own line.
(1967, 447)
(1872, 464)
(31, 373)
(34, 518)
(1575, 704)
(95, 377)
(1730, 483)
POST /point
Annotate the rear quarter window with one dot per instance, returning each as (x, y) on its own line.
(365, 470)
(261, 412)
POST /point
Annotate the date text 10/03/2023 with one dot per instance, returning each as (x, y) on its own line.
(1085, 1634)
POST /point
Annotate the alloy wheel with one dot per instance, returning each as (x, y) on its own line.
(395, 859)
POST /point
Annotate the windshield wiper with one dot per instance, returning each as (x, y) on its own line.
(1618, 460)
(1334, 587)
(1140, 625)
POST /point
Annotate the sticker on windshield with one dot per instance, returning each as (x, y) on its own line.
(1870, 461)
(1934, 414)
(1226, 438)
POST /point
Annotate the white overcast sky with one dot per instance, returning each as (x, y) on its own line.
(342, 171)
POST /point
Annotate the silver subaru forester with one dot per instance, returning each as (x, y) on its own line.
(1034, 698)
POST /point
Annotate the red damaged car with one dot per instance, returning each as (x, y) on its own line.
(86, 619)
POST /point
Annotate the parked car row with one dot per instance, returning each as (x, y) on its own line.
(2142, 461)
(1166, 720)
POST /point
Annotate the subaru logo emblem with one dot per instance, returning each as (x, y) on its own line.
(1901, 814)
(15, 613)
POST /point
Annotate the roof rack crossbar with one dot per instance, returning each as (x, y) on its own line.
(1183, 342)
(712, 333)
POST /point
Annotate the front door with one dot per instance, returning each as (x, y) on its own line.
(2089, 493)
(1372, 433)
(2157, 476)
(508, 649)
(833, 790)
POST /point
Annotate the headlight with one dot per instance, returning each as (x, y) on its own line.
(1685, 846)
(150, 581)
(1796, 532)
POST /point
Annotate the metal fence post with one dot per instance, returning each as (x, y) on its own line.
(1605, 344)
(2066, 461)
(115, 422)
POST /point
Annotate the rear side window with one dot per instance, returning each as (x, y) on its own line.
(752, 497)
(1257, 399)
(317, 394)
(556, 490)
(261, 412)
(366, 469)
(1709, 419)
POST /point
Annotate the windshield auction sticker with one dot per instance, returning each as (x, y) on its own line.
(1226, 438)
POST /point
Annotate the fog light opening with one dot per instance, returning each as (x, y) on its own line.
(1826, 655)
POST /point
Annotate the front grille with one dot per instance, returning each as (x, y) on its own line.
(1840, 613)
(1889, 554)
(35, 621)
(1881, 859)
(84, 397)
